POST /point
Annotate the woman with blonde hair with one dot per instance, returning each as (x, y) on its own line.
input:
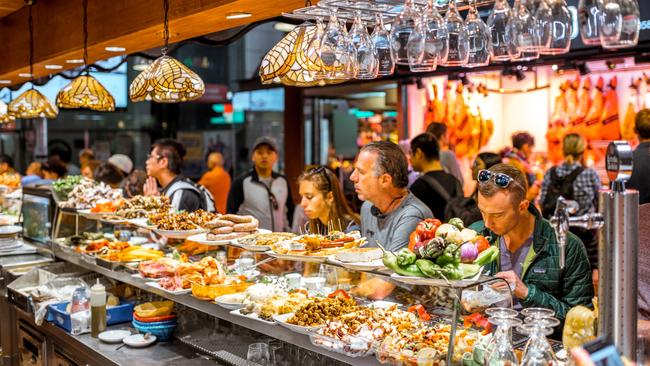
(323, 202)
(573, 181)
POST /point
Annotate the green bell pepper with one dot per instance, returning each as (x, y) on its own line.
(390, 260)
(429, 268)
(451, 254)
(405, 257)
(452, 272)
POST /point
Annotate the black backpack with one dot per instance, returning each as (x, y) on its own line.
(207, 202)
(457, 206)
(559, 186)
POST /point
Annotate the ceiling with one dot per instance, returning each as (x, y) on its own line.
(133, 24)
(9, 6)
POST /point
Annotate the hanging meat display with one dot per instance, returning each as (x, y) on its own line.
(584, 103)
(595, 111)
(610, 127)
(627, 126)
(461, 111)
(557, 125)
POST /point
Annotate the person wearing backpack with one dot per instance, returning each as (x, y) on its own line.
(434, 187)
(163, 168)
(573, 181)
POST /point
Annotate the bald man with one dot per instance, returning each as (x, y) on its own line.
(217, 181)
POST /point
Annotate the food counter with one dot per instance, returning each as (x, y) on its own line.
(329, 320)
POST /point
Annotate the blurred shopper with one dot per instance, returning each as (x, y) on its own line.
(640, 179)
(529, 252)
(123, 162)
(164, 168)
(434, 187)
(8, 175)
(53, 169)
(390, 212)
(34, 173)
(86, 156)
(217, 181)
(88, 168)
(576, 182)
(133, 184)
(65, 156)
(262, 192)
(448, 158)
(323, 202)
(109, 174)
(519, 156)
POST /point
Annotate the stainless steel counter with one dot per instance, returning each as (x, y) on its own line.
(161, 353)
(272, 330)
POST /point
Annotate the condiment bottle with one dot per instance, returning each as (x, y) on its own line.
(97, 309)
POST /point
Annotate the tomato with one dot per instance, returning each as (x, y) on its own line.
(481, 243)
(421, 311)
(413, 239)
(339, 293)
(426, 229)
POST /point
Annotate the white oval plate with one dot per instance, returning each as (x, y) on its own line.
(113, 336)
(178, 234)
(141, 222)
(251, 316)
(138, 341)
(283, 318)
(203, 240)
(251, 248)
(224, 303)
(138, 240)
(411, 280)
(177, 292)
(358, 266)
(297, 258)
(92, 215)
(10, 230)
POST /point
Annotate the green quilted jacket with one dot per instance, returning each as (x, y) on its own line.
(548, 286)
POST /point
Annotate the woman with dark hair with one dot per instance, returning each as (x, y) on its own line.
(109, 174)
(133, 184)
(324, 204)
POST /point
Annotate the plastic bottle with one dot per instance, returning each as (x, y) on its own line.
(97, 309)
(80, 300)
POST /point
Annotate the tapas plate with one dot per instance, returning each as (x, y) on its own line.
(297, 258)
(177, 292)
(251, 316)
(231, 301)
(92, 215)
(113, 336)
(178, 234)
(425, 281)
(358, 266)
(141, 222)
(283, 318)
(139, 340)
(9, 231)
(203, 240)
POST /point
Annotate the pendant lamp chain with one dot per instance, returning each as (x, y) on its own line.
(166, 26)
(85, 30)
(30, 23)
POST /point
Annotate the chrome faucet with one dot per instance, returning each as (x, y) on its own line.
(562, 221)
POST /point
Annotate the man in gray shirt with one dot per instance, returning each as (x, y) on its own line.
(390, 212)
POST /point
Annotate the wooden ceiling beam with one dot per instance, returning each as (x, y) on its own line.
(136, 25)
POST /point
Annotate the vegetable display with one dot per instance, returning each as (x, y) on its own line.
(62, 187)
(442, 250)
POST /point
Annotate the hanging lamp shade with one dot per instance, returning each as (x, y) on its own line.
(5, 116)
(166, 80)
(32, 104)
(293, 62)
(85, 92)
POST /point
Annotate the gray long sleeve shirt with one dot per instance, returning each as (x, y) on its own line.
(393, 229)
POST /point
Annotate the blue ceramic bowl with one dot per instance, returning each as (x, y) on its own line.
(162, 332)
(162, 323)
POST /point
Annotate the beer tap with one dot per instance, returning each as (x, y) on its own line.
(562, 221)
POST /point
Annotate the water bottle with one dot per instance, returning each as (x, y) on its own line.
(80, 300)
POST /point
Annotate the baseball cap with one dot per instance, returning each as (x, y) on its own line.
(123, 162)
(266, 140)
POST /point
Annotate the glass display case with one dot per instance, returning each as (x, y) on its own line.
(37, 215)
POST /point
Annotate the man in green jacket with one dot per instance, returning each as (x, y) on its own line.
(529, 251)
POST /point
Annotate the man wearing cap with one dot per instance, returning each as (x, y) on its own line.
(262, 192)
(122, 162)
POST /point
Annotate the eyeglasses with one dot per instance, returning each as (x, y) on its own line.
(500, 179)
(323, 171)
(158, 157)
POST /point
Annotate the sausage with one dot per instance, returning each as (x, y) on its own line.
(218, 223)
(222, 230)
(238, 219)
(221, 237)
(250, 226)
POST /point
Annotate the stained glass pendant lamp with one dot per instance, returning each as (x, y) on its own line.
(166, 80)
(31, 103)
(85, 91)
(5, 116)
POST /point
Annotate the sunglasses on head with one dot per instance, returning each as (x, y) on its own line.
(323, 171)
(500, 179)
